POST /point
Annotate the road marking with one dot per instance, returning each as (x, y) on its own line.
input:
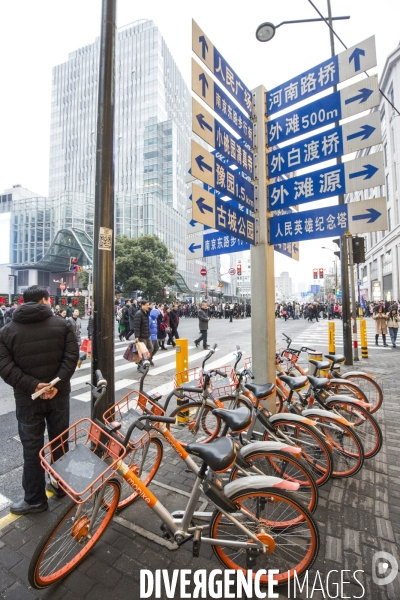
(4, 502)
(119, 385)
(172, 365)
(8, 519)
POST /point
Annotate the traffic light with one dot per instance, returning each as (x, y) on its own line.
(358, 250)
(321, 273)
(337, 242)
(315, 273)
(239, 269)
(73, 263)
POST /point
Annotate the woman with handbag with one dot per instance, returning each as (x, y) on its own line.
(167, 321)
(161, 329)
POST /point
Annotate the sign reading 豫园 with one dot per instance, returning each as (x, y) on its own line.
(341, 67)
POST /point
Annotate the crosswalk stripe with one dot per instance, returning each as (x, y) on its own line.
(159, 356)
(119, 385)
(171, 365)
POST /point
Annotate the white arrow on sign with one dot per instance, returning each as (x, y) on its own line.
(194, 247)
(362, 133)
(368, 215)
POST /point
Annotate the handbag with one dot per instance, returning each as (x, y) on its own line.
(131, 353)
(162, 327)
(168, 330)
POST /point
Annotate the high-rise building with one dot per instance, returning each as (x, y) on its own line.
(152, 135)
(284, 284)
(379, 276)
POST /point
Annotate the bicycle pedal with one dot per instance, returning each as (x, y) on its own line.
(196, 543)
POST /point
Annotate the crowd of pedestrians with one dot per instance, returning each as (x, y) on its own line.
(309, 311)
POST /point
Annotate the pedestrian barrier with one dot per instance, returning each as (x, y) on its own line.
(363, 336)
(331, 337)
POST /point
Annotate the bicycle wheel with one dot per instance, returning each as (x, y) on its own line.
(290, 549)
(371, 389)
(144, 462)
(346, 446)
(346, 389)
(287, 467)
(366, 425)
(198, 424)
(68, 540)
(315, 449)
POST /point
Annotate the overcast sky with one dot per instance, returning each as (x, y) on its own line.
(36, 35)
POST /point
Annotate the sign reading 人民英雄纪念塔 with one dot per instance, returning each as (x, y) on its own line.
(341, 67)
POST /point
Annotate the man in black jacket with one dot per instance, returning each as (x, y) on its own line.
(203, 326)
(142, 327)
(35, 348)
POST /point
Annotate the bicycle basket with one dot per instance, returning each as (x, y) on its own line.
(82, 459)
(129, 409)
(289, 356)
(224, 386)
(247, 363)
(189, 378)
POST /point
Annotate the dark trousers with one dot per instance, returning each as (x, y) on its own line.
(174, 332)
(31, 425)
(203, 336)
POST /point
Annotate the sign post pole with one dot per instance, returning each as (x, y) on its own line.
(262, 260)
(353, 295)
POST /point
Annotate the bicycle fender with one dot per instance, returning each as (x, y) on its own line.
(347, 399)
(348, 373)
(320, 412)
(265, 446)
(290, 418)
(258, 482)
(341, 380)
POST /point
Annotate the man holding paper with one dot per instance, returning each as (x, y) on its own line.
(37, 348)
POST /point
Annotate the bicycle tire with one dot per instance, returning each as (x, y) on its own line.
(292, 470)
(349, 389)
(148, 472)
(185, 432)
(316, 452)
(366, 425)
(39, 572)
(347, 460)
(371, 389)
(276, 502)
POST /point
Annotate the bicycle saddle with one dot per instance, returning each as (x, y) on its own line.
(218, 454)
(318, 383)
(336, 358)
(295, 383)
(260, 391)
(320, 364)
(237, 419)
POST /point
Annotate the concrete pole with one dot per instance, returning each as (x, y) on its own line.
(263, 341)
(353, 295)
(103, 253)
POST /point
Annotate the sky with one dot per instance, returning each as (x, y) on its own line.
(37, 35)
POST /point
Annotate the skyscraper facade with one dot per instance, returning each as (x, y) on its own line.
(152, 135)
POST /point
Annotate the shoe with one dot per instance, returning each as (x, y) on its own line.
(385, 345)
(376, 344)
(173, 344)
(394, 345)
(151, 363)
(197, 344)
(206, 347)
(23, 508)
(58, 492)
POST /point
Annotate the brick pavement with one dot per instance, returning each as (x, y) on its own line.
(357, 517)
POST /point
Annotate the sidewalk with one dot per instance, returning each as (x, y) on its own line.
(357, 517)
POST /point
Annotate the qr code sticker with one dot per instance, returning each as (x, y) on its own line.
(105, 238)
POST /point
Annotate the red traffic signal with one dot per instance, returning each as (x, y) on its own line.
(239, 269)
(315, 273)
(321, 273)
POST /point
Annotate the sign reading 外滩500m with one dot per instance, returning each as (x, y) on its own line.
(355, 135)
(345, 103)
(341, 67)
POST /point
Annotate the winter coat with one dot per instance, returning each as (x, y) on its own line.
(76, 326)
(167, 319)
(161, 333)
(203, 319)
(380, 323)
(141, 325)
(174, 319)
(125, 316)
(131, 312)
(153, 324)
(393, 321)
(36, 347)
(90, 327)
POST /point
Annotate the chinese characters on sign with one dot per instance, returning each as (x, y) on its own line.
(215, 243)
(324, 222)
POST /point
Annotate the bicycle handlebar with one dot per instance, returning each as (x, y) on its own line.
(100, 381)
(220, 373)
(209, 355)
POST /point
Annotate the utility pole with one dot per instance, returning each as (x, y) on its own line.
(353, 296)
(103, 254)
(263, 340)
(344, 261)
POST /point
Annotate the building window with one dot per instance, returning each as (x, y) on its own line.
(385, 154)
(44, 278)
(390, 219)
(23, 278)
(387, 188)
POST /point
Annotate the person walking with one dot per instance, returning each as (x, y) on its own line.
(161, 328)
(393, 325)
(380, 325)
(35, 348)
(142, 327)
(153, 324)
(167, 321)
(131, 312)
(203, 326)
(76, 326)
(174, 318)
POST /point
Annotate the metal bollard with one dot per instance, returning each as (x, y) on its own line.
(331, 337)
(363, 336)
(312, 369)
(182, 367)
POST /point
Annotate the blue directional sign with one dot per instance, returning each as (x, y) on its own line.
(289, 249)
(315, 289)
(341, 67)
(220, 215)
(213, 171)
(330, 221)
(355, 135)
(227, 77)
(349, 101)
(217, 243)
(224, 142)
(220, 103)
(361, 173)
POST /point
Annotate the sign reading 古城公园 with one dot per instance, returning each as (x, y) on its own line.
(341, 67)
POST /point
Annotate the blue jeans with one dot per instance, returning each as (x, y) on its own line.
(393, 334)
(31, 426)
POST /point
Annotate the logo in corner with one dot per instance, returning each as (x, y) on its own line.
(384, 568)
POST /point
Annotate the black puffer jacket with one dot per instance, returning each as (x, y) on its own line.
(141, 325)
(36, 346)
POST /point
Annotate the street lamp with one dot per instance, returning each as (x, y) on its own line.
(266, 31)
(330, 249)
